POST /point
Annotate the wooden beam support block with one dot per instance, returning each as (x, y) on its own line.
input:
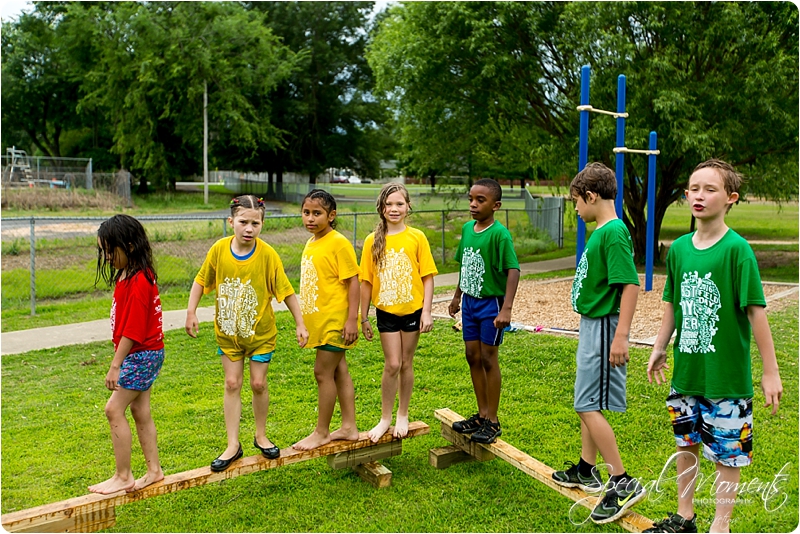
(374, 473)
(631, 522)
(368, 454)
(463, 442)
(89, 506)
(444, 457)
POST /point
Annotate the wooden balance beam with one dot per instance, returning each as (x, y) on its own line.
(464, 450)
(94, 512)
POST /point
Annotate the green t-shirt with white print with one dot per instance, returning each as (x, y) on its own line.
(485, 259)
(605, 266)
(710, 290)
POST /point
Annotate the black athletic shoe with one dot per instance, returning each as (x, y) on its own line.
(674, 523)
(572, 478)
(616, 501)
(468, 426)
(488, 433)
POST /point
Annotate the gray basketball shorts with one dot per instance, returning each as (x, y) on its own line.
(598, 386)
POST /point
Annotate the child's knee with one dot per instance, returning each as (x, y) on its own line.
(258, 386)
(233, 384)
(392, 368)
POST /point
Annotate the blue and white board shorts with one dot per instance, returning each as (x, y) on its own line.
(723, 426)
(598, 386)
(477, 319)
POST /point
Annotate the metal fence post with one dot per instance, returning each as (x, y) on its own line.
(224, 228)
(355, 227)
(506, 219)
(33, 268)
(443, 253)
(89, 184)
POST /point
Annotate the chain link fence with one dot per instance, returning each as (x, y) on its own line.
(52, 258)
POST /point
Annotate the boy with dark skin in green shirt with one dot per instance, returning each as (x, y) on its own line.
(488, 283)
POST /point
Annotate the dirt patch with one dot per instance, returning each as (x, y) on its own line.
(547, 304)
(776, 258)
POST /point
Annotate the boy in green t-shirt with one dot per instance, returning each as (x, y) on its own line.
(604, 291)
(488, 281)
(713, 295)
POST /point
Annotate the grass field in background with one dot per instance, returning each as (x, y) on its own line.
(55, 440)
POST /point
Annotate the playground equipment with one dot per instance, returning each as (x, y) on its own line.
(465, 450)
(94, 512)
(619, 151)
(18, 167)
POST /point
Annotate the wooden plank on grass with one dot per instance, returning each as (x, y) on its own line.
(631, 522)
(34, 519)
(444, 457)
(374, 473)
(341, 460)
(464, 443)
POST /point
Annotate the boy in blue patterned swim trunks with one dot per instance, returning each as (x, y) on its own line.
(488, 281)
(713, 295)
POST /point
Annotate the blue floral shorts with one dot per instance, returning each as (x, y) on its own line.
(140, 369)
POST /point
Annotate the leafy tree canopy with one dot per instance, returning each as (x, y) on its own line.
(500, 81)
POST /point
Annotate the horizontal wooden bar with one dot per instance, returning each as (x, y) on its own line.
(33, 519)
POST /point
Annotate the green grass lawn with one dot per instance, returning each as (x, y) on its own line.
(55, 440)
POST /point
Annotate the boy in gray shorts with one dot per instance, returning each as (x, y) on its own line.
(604, 292)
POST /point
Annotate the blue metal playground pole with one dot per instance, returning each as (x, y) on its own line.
(583, 153)
(620, 156)
(651, 211)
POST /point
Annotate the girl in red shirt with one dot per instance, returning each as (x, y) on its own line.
(125, 260)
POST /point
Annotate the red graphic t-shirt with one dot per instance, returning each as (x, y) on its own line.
(136, 314)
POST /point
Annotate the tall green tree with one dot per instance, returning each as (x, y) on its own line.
(713, 79)
(155, 60)
(40, 84)
(325, 107)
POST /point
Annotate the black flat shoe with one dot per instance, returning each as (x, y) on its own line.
(221, 465)
(268, 452)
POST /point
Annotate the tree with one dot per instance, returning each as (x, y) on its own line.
(154, 61)
(40, 86)
(713, 79)
(325, 108)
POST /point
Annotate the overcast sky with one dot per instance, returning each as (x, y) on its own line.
(12, 8)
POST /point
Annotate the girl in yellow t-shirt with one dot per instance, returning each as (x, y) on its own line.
(329, 301)
(397, 271)
(246, 273)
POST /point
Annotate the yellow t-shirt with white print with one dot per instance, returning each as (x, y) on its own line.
(244, 321)
(397, 287)
(325, 265)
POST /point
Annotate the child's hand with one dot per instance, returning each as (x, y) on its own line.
(425, 322)
(455, 306)
(773, 390)
(112, 377)
(350, 333)
(503, 319)
(656, 367)
(302, 335)
(366, 328)
(192, 326)
(619, 352)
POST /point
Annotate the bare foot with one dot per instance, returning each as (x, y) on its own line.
(347, 434)
(147, 479)
(312, 442)
(379, 430)
(400, 426)
(113, 485)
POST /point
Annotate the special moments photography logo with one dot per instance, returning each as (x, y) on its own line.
(708, 489)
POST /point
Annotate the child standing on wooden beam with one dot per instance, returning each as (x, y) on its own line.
(488, 283)
(604, 291)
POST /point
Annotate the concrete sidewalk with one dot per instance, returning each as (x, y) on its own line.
(72, 334)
